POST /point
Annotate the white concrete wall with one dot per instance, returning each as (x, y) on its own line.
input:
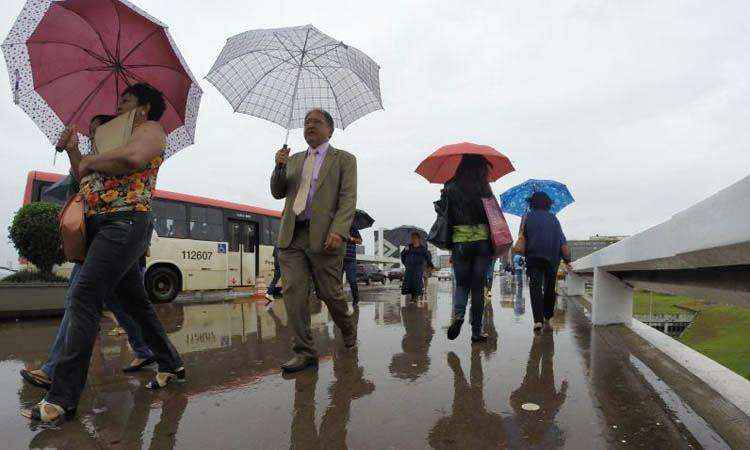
(686, 240)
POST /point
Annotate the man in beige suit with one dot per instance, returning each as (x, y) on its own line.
(320, 187)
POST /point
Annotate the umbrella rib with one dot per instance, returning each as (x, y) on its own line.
(162, 66)
(89, 69)
(285, 48)
(245, 54)
(89, 97)
(335, 97)
(296, 84)
(312, 60)
(119, 29)
(244, 97)
(101, 39)
(137, 46)
(88, 51)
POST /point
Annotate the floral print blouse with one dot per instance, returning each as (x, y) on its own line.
(108, 194)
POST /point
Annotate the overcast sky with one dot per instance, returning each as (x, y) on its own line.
(641, 107)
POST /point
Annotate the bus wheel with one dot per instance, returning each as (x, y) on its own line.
(162, 284)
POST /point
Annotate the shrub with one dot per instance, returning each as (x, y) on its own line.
(35, 234)
(30, 276)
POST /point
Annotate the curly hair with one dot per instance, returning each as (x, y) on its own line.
(148, 95)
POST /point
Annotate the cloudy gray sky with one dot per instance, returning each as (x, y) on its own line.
(640, 106)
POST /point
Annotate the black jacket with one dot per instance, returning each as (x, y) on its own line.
(462, 208)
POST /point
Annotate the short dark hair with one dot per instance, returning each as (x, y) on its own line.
(148, 95)
(540, 200)
(328, 118)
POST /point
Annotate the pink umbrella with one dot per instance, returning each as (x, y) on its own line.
(71, 60)
(441, 166)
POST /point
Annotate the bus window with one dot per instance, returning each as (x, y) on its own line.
(269, 231)
(37, 194)
(234, 236)
(249, 236)
(206, 224)
(170, 219)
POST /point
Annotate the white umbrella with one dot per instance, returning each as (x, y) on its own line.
(280, 74)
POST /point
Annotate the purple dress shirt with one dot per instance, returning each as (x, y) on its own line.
(320, 156)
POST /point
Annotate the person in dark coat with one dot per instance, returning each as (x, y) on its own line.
(416, 258)
(545, 246)
(350, 263)
(273, 291)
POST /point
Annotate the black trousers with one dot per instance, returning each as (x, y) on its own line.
(542, 278)
(116, 242)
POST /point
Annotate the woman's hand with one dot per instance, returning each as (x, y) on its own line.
(68, 139)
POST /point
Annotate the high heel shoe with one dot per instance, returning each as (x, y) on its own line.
(163, 379)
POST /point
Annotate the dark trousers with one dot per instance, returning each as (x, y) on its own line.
(350, 269)
(542, 278)
(116, 242)
(276, 277)
(470, 262)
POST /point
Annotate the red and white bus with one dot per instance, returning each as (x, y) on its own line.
(199, 243)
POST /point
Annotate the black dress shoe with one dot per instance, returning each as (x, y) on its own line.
(140, 366)
(299, 363)
(455, 328)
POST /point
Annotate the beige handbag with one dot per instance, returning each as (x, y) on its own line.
(73, 229)
(115, 133)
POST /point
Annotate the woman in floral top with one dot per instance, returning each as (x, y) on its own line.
(118, 187)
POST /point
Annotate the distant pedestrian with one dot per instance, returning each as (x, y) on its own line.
(544, 248)
(463, 208)
(272, 291)
(488, 277)
(350, 263)
(518, 264)
(416, 260)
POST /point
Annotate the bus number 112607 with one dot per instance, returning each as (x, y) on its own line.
(196, 254)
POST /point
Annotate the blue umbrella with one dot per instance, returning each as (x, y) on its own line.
(516, 199)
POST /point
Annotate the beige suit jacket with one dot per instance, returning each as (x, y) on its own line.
(333, 203)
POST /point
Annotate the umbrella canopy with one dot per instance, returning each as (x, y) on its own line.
(441, 166)
(401, 236)
(362, 220)
(70, 60)
(281, 74)
(516, 199)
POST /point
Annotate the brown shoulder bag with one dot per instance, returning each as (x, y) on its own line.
(73, 229)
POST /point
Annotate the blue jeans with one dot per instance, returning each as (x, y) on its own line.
(350, 269)
(470, 261)
(140, 349)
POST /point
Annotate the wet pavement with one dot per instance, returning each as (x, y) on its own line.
(406, 387)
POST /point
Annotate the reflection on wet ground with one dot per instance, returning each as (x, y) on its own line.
(406, 387)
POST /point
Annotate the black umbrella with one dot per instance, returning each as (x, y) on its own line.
(362, 220)
(401, 236)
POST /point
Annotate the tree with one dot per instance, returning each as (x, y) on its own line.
(36, 235)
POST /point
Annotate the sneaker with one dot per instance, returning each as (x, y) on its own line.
(455, 328)
(270, 297)
(538, 326)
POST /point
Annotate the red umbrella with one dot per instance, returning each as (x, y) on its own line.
(441, 166)
(71, 60)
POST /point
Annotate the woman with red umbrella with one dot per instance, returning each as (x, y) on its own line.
(463, 225)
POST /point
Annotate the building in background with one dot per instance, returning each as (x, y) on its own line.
(581, 248)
